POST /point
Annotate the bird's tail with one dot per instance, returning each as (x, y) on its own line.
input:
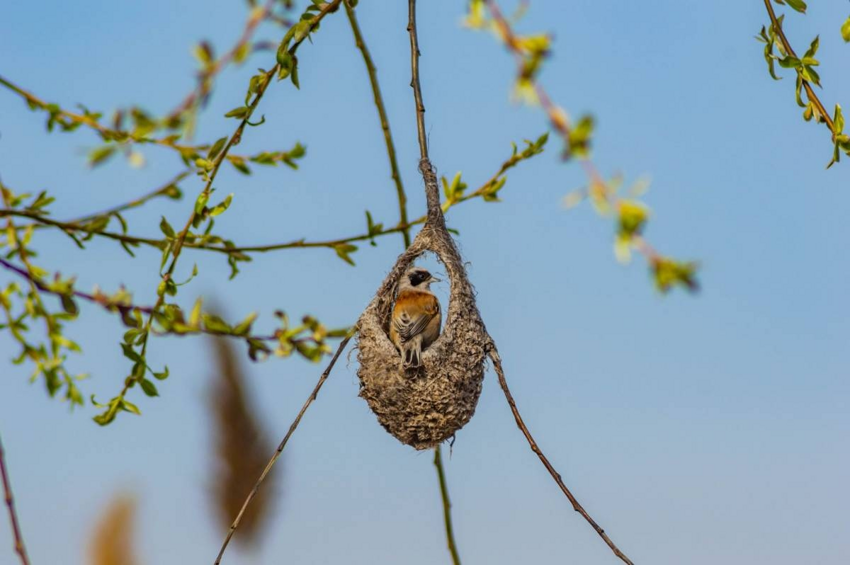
(412, 352)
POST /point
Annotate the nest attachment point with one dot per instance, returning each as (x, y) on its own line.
(425, 406)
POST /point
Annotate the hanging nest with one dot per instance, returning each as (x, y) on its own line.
(425, 406)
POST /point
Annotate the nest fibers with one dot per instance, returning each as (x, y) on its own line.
(425, 406)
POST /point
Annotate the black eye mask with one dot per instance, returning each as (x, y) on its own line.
(418, 277)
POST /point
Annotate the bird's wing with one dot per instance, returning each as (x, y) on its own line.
(415, 312)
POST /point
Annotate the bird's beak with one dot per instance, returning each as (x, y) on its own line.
(435, 279)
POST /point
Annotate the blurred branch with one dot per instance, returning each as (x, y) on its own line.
(497, 365)
(236, 54)
(280, 447)
(70, 121)
(20, 549)
(447, 506)
(385, 124)
(530, 51)
(241, 445)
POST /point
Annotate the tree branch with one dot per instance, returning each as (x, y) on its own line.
(385, 124)
(125, 309)
(20, 549)
(78, 225)
(280, 447)
(497, 365)
(810, 92)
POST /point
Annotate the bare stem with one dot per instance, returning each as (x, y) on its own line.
(20, 549)
(497, 365)
(447, 506)
(280, 448)
(414, 81)
(385, 123)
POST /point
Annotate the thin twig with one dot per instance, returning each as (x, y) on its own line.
(78, 225)
(68, 119)
(447, 506)
(414, 81)
(280, 447)
(810, 92)
(163, 190)
(10, 504)
(385, 123)
(497, 365)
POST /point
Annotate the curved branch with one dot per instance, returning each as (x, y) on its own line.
(497, 365)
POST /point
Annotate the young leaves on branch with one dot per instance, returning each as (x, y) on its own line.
(778, 50)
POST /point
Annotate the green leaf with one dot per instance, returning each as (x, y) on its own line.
(669, 273)
(222, 206)
(244, 327)
(130, 354)
(148, 387)
(798, 5)
(294, 75)
(812, 51)
(216, 148)
(790, 62)
(101, 154)
(130, 407)
(845, 30)
(69, 305)
(166, 228)
(195, 314)
(238, 113)
(286, 62)
(343, 251)
(162, 375)
(202, 200)
(215, 324)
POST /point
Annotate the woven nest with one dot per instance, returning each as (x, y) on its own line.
(425, 406)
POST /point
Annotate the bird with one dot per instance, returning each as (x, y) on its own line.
(416, 316)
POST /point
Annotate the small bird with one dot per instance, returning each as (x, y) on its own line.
(416, 316)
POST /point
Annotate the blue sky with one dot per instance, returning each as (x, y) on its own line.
(695, 429)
